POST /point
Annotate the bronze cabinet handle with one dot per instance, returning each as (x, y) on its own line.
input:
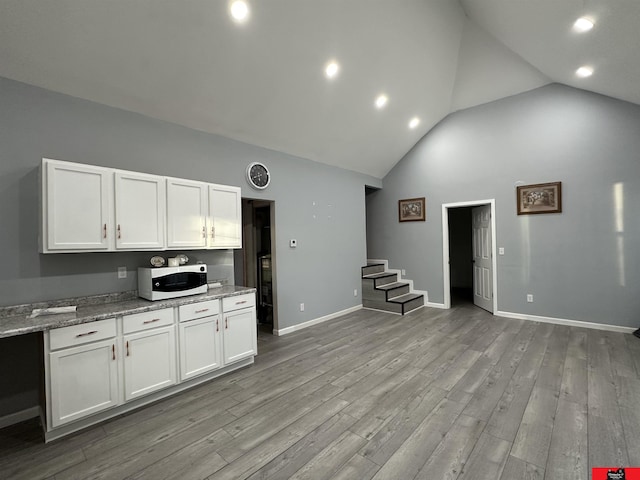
(92, 332)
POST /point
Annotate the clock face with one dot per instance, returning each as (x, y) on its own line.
(258, 175)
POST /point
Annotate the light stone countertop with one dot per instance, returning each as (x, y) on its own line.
(16, 321)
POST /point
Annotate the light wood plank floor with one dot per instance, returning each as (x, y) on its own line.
(456, 394)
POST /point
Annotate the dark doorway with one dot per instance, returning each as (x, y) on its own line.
(461, 255)
(255, 264)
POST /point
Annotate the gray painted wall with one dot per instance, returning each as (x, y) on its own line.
(322, 207)
(582, 264)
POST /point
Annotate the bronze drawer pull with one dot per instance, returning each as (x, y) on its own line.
(87, 333)
(202, 311)
(150, 321)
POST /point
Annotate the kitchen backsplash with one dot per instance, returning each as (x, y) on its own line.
(66, 277)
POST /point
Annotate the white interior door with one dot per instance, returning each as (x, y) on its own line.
(482, 262)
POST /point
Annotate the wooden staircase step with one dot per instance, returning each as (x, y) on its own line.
(392, 286)
(394, 290)
(406, 298)
(372, 268)
(409, 301)
(379, 275)
(382, 278)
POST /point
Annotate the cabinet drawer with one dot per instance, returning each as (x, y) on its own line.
(199, 310)
(237, 302)
(147, 320)
(81, 334)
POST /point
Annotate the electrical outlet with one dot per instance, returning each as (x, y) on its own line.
(302, 307)
(355, 292)
(500, 250)
(529, 298)
(122, 272)
(404, 272)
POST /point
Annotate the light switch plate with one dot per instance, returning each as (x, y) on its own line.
(500, 250)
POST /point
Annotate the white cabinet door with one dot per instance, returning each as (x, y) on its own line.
(239, 335)
(140, 211)
(149, 361)
(200, 349)
(225, 217)
(83, 381)
(76, 207)
(186, 214)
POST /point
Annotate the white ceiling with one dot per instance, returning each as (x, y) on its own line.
(262, 82)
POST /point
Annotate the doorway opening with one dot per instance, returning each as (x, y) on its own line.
(255, 263)
(469, 254)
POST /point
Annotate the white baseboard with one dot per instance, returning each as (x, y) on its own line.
(21, 416)
(434, 305)
(315, 321)
(567, 322)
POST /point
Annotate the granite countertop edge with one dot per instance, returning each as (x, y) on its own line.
(14, 325)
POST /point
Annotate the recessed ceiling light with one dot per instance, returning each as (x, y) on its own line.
(381, 101)
(239, 10)
(584, 72)
(415, 121)
(331, 70)
(583, 24)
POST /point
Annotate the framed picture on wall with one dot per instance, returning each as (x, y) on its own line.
(411, 210)
(539, 198)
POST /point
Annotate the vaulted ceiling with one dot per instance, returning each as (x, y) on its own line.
(262, 81)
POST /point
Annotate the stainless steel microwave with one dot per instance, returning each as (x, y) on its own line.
(171, 282)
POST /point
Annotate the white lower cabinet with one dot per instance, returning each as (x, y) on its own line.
(199, 332)
(149, 361)
(200, 349)
(83, 378)
(240, 334)
(124, 362)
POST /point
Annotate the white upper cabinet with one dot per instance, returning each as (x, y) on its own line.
(76, 205)
(140, 211)
(94, 209)
(186, 213)
(225, 217)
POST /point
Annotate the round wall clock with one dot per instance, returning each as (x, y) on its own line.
(258, 175)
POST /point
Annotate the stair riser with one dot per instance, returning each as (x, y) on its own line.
(412, 305)
(370, 293)
(382, 305)
(378, 282)
(371, 269)
(396, 292)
